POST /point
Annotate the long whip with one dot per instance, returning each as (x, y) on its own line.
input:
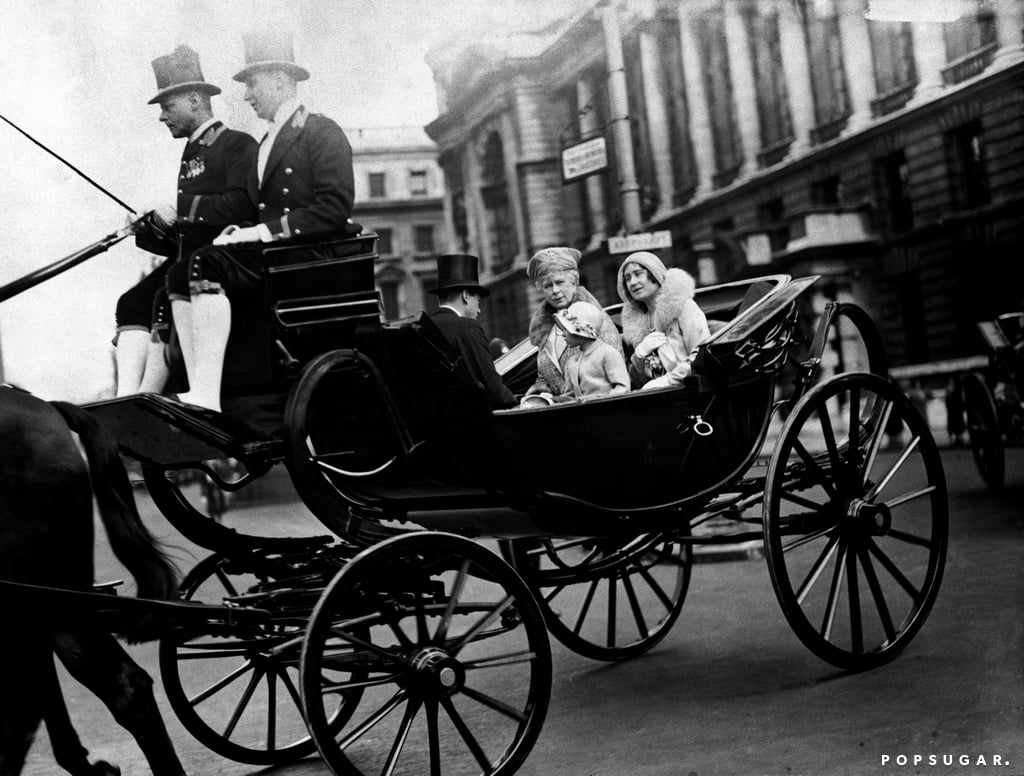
(64, 161)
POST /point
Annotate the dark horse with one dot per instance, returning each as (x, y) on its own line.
(46, 539)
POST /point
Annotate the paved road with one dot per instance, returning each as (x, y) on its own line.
(731, 690)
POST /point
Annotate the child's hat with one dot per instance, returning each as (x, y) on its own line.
(581, 318)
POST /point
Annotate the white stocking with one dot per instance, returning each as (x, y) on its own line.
(211, 325)
(155, 376)
(130, 357)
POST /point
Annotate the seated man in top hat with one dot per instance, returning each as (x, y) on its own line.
(459, 293)
(302, 185)
(213, 192)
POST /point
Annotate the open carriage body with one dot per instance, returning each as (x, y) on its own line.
(387, 632)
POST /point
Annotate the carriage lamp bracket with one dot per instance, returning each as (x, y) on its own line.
(697, 425)
(288, 361)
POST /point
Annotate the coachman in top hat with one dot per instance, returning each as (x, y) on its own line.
(302, 186)
(212, 193)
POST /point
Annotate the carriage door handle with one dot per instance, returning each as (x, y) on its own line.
(697, 425)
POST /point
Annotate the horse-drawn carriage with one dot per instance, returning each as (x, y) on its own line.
(990, 401)
(397, 644)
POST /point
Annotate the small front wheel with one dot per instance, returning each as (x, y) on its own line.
(983, 431)
(855, 535)
(449, 650)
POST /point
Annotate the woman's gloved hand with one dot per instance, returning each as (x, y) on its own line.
(650, 343)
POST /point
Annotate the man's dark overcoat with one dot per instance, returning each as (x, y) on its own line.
(466, 337)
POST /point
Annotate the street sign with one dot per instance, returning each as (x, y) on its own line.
(642, 241)
(583, 159)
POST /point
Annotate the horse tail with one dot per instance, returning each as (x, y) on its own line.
(130, 540)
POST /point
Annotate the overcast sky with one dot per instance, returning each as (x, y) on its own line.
(77, 76)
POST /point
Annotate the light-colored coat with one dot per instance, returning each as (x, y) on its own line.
(598, 371)
(677, 315)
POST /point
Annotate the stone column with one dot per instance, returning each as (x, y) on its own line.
(744, 87)
(474, 199)
(595, 191)
(860, 74)
(657, 120)
(797, 69)
(929, 59)
(1009, 26)
(513, 154)
(697, 100)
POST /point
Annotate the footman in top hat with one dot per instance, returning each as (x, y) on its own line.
(302, 186)
(459, 292)
(212, 193)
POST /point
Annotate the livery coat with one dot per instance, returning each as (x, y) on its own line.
(308, 185)
(468, 340)
(213, 191)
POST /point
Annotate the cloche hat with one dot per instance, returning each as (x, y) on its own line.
(179, 71)
(269, 50)
(580, 318)
(458, 270)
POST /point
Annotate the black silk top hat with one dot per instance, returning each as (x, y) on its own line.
(179, 71)
(458, 270)
(270, 50)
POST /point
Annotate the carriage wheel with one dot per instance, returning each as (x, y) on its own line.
(855, 536)
(606, 599)
(316, 445)
(983, 430)
(235, 689)
(454, 666)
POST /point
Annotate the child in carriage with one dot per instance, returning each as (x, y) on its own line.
(594, 367)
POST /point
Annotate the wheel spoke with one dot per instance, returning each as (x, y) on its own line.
(242, 704)
(220, 684)
(482, 623)
(802, 501)
(656, 588)
(896, 574)
(814, 468)
(329, 688)
(411, 709)
(897, 465)
(433, 738)
(271, 712)
(875, 443)
(370, 722)
(367, 645)
(853, 438)
(819, 564)
(910, 496)
(853, 592)
(612, 605)
(513, 658)
(587, 600)
(807, 538)
(877, 594)
(634, 604)
(441, 634)
(467, 736)
(494, 703)
(829, 435)
(289, 685)
(833, 595)
(910, 538)
(422, 634)
(554, 592)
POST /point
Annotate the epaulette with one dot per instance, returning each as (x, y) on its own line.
(300, 117)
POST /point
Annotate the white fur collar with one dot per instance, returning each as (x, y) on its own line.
(669, 305)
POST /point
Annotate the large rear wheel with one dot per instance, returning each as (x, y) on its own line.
(855, 536)
(606, 599)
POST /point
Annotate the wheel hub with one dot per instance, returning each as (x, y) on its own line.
(436, 672)
(871, 518)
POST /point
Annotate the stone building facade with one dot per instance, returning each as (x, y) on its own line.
(796, 136)
(400, 196)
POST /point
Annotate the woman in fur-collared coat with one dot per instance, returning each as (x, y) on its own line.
(660, 319)
(555, 273)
